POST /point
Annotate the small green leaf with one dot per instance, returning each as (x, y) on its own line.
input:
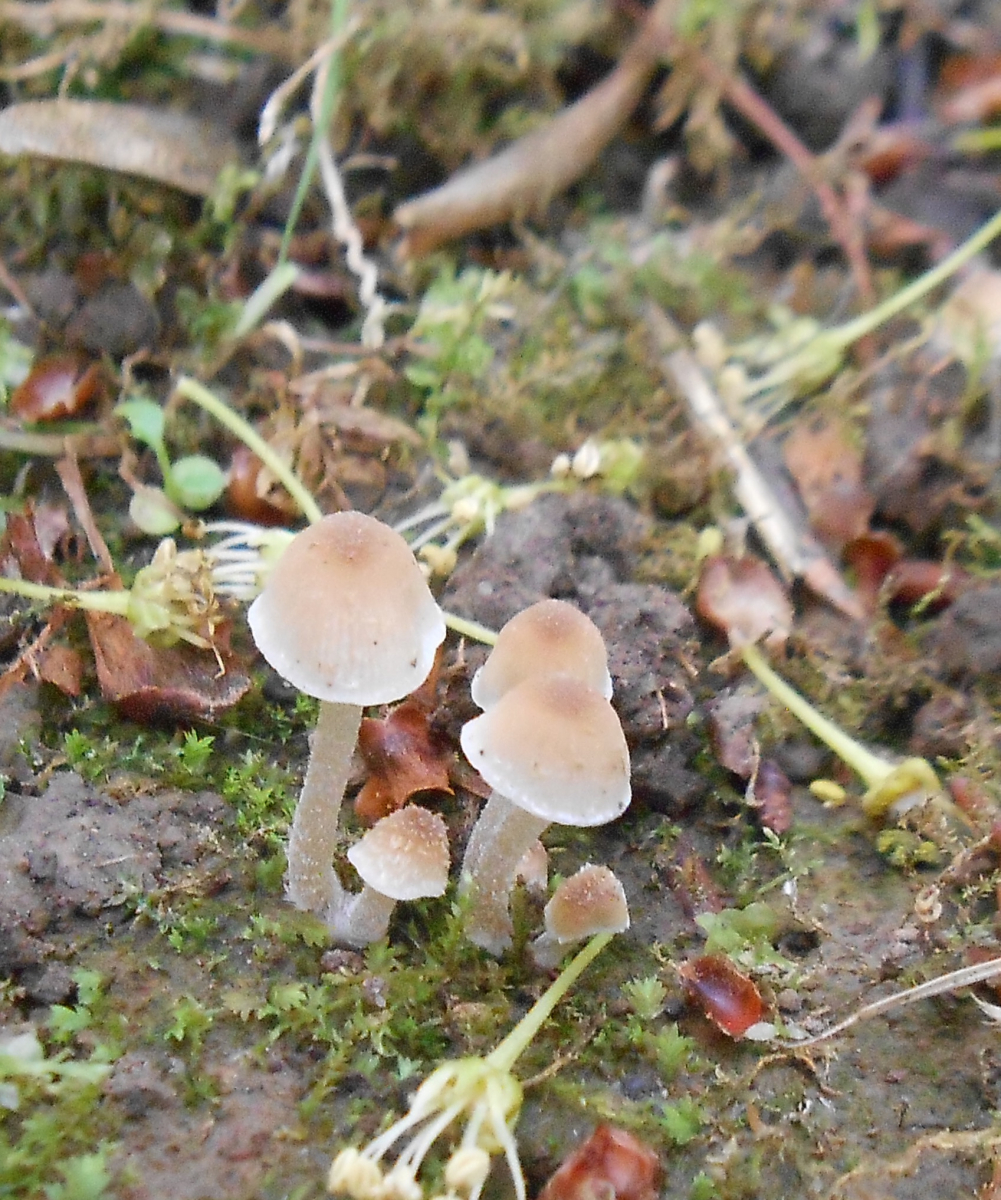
(196, 482)
(146, 420)
(153, 512)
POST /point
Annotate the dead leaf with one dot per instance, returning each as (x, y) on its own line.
(169, 147)
(744, 600)
(611, 1165)
(402, 757)
(827, 468)
(728, 998)
(152, 684)
(62, 666)
(58, 386)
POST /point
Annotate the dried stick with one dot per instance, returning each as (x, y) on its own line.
(796, 553)
(521, 180)
(46, 17)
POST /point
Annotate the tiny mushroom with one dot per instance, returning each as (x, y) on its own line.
(589, 902)
(552, 750)
(346, 616)
(402, 857)
(552, 638)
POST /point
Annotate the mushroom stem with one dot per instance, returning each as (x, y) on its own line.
(361, 918)
(497, 845)
(311, 882)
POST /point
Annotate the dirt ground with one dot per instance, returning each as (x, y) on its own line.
(611, 360)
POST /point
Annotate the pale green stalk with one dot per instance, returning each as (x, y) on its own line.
(504, 1056)
(199, 394)
(888, 783)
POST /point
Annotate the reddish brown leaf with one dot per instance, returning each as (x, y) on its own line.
(744, 600)
(872, 556)
(732, 713)
(21, 539)
(402, 757)
(771, 796)
(151, 684)
(248, 500)
(57, 387)
(827, 468)
(63, 668)
(611, 1165)
(728, 998)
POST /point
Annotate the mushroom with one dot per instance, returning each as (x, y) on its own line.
(552, 638)
(589, 902)
(346, 616)
(552, 750)
(402, 857)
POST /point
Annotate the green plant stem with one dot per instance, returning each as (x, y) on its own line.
(199, 394)
(99, 601)
(470, 629)
(869, 766)
(332, 87)
(506, 1053)
(852, 330)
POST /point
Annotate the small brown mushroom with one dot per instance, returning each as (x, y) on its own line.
(552, 750)
(402, 857)
(591, 901)
(548, 638)
(345, 616)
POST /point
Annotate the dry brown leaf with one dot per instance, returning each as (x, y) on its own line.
(612, 1164)
(402, 757)
(744, 600)
(169, 147)
(155, 684)
(62, 666)
(827, 468)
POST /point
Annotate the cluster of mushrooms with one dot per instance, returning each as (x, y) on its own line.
(347, 617)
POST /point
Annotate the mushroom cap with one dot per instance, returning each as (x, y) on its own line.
(551, 638)
(592, 901)
(554, 747)
(346, 614)
(405, 855)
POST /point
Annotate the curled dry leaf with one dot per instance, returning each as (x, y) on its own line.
(727, 997)
(402, 757)
(521, 180)
(251, 494)
(611, 1165)
(152, 684)
(827, 468)
(57, 386)
(769, 793)
(169, 147)
(62, 666)
(743, 599)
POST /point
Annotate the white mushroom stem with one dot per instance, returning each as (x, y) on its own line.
(502, 835)
(361, 918)
(311, 882)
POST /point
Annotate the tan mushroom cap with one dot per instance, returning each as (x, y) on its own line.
(405, 855)
(592, 901)
(346, 614)
(552, 638)
(554, 747)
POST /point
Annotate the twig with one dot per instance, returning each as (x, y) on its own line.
(950, 982)
(796, 552)
(68, 470)
(522, 179)
(46, 17)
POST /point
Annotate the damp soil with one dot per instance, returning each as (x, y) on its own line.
(246, 1050)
